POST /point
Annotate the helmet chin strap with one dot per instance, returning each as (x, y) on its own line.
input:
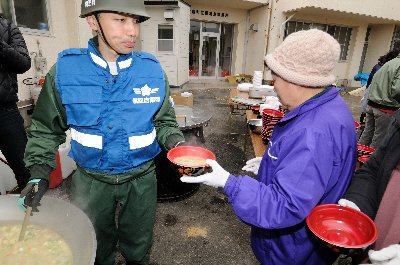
(102, 36)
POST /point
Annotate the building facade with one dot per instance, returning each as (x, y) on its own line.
(210, 39)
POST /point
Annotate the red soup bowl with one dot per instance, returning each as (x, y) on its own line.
(343, 229)
(364, 152)
(190, 160)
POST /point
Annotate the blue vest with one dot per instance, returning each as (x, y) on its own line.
(110, 117)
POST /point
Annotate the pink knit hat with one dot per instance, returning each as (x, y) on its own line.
(306, 58)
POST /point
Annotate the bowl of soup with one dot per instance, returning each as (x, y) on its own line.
(190, 160)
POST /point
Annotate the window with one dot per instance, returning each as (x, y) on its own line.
(210, 27)
(341, 34)
(396, 38)
(166, 38)
(29, 14)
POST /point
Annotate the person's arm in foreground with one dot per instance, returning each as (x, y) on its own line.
(301, 180)
(45, 134)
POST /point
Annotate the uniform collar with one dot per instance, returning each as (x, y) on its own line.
(123, 61)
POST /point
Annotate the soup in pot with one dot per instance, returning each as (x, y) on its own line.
(40, 246)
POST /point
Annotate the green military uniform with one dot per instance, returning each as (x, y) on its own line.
(99, 194)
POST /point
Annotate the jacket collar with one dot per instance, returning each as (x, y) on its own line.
(123, 61)
(325, 96)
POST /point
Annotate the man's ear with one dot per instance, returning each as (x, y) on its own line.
(91, 20)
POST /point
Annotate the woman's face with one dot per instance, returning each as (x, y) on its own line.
(291, 95)
(286, 92)
(119, 30)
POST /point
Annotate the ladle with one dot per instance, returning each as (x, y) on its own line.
(26, 218)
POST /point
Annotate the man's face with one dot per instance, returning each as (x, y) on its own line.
(120, 31)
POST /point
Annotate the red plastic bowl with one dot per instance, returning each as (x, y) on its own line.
(190, 151)
(342, 227)
(273, 113)
(364, 152)
(255, 109)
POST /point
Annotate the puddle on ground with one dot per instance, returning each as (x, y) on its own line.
(170, 220)
(196, 232)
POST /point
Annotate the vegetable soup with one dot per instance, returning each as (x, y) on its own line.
(190, 161)
(40, 246)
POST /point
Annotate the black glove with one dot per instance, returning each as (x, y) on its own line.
(29, 197)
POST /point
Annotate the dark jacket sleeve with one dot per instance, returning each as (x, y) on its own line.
(370, 181)
(13, 51)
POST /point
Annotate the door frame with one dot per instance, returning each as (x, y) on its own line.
(213, 35)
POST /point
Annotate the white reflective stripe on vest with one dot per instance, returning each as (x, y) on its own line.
(88, 140)
(136, 142)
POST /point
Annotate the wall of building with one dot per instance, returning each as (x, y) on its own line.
(256, 41)
(176, 64)
(183, 44)
(66, 30)
(385, 9)
(378, 45)
(345, 69)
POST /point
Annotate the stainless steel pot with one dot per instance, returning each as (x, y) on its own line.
(255, 125)
(63, 217)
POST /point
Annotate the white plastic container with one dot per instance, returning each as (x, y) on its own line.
(257, 78)
(35, 92)
(7, 177)
(261, 91)
(244, 87)
(67, 164)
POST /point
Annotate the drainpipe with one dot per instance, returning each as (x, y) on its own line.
(246, 41)
(268, 27)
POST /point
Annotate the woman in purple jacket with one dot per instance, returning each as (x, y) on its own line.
(309, 160)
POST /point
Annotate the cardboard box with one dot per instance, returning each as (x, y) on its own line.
(185, 99)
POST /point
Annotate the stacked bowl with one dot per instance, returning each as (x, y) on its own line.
(270, 118)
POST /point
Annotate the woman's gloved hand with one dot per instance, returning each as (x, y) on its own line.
(29, 197)
(253, 165)
(386, 256)
(217, 178)
(347, 203)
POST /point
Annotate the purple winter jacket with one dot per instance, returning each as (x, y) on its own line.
(309, 161)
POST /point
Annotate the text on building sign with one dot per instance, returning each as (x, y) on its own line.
(209, 13)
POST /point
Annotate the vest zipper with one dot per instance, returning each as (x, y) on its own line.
(117, 180)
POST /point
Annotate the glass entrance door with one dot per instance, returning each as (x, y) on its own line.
(210, 50)
(209, 63)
